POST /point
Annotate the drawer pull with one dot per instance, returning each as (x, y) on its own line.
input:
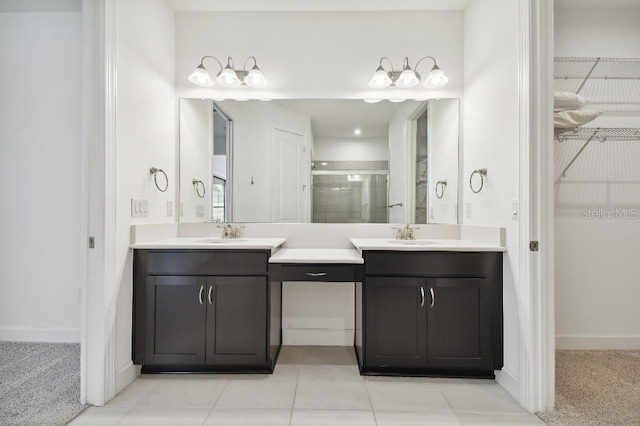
(316, 274)
(200, 295)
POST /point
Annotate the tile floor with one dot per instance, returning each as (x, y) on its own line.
(312, 385)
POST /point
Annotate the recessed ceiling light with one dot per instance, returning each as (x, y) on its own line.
(323, 164)
(265, 99)
(397, 100)
(372, 101)
(357, 132)
(241, 99)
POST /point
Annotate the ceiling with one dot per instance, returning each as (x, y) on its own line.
(314, 5)
(338, 118)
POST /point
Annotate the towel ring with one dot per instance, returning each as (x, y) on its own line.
(443, 185)
(482, 173)
(197, 183)
(154, 171)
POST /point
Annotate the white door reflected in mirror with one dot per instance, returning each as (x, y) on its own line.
(319, 160)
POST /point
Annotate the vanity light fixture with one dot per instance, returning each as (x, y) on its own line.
(407, 77)
(229, 76)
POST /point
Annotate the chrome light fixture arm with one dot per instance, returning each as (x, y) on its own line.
(211, 57)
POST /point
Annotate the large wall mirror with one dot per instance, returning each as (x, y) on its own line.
(319, 160)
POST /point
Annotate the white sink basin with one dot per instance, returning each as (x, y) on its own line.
(222, 240)
(413, 242)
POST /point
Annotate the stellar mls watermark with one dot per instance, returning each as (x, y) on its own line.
(608, 213)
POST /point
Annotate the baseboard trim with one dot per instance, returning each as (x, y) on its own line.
(597, 342)
(317, 337)
(125, 375)
(509, 382)
(40, 334)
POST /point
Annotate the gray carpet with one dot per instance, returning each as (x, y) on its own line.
(596, 388)
(39, 383)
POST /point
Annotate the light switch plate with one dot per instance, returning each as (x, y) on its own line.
(199, 210)
(139, 208)
(515, 209)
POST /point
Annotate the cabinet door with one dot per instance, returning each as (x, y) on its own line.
(236, 320)
(459, 327)
(395, 322)
(175, 320)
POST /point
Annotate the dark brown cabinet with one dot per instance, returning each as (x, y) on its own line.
(433, 313)
(395, 322)
(187, 319)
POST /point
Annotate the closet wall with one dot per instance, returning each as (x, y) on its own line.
(597, 215)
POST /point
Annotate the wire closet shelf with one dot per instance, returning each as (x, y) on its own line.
(613, 86)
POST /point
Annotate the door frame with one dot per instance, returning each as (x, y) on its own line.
(537, 344)
(97, 337)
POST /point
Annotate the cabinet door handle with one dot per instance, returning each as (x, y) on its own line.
(316, 274)
(433, 296)
(421, 297)
(209, 295)
(200, 295)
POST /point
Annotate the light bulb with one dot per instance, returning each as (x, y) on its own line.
(380, 79)
(228, 77)
(408, 78)
(255, 78)
(436, 78)
(201, 77)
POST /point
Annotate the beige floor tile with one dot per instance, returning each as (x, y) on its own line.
(332, 417)
(403, 396)
(184, 391)
(290, 355)
(480, 398)
(271, 391)
(161, 416)
(329, 355)
(500, 420)
(138, 389)
(403, 418)
(248, 417)
(100, 416)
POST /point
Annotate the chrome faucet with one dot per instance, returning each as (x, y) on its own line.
(231, 231)
(406, 232)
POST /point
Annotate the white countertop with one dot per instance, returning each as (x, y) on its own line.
(291, 255)
(363, 244)
(215, 243)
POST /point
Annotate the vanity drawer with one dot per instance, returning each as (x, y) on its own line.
(206, 262)
(315, 272)
(433, 264)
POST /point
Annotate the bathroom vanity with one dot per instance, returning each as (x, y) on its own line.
(424, 307)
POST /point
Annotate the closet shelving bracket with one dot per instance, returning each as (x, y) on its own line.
(600, 134)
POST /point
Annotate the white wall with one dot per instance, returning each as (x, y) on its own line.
(351, 149)
(319, 54)
(196, 159)
(443, 130)
(41, 248)
(491, 141)
(146, 118)
(596, 259)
